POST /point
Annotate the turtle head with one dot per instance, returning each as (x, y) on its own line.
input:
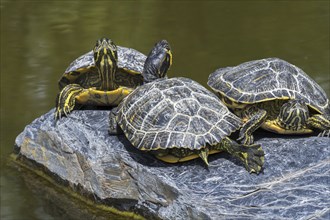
(158, 62)
(293, 115)
(106, 58)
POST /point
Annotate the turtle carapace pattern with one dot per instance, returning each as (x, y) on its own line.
(177, 119)
(275, 95)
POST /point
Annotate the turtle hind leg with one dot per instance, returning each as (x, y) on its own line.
(65, 101)
(252, 156)
(321, 122)
(256, 118)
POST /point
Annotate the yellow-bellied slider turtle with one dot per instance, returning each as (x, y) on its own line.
(177, 119)
(103, 76)
(273, 94)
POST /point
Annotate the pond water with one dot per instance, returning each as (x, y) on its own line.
(39, 39)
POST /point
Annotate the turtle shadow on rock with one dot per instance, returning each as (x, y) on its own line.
(147, 159)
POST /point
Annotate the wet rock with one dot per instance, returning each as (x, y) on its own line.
(79, 152)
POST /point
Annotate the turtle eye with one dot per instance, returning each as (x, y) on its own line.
(113, 49)
(113, 46)
(99, 43)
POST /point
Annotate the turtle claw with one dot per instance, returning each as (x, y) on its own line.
(60, 111)
(325, 133)
(66, 100)
(65, 113)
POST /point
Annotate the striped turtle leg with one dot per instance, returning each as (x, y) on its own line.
(255, 117)
(252, 156)
(321, 122)
(65, 101)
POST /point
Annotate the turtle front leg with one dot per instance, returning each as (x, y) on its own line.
(252, 156)
(256, 117)
(65, 101)
(320, 122)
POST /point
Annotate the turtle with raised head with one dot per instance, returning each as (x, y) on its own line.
(178, 119)
(274, 95)
(101, 77)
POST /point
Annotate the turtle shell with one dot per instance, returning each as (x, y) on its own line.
(268, 79)
(176, 112)
(130, 62)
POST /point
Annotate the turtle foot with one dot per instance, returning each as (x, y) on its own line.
(252, 156)
(65, 101)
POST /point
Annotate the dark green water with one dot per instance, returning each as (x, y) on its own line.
(40, 38)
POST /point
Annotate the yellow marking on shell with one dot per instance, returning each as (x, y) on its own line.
(272, 126)
(315, 109)
(130, 71)
(238, 105)
(259, 78)
(173, 159)
(131, 121)
(103, 98)
(72, 76)
(242, 104)
(231, 103)
(270, 99)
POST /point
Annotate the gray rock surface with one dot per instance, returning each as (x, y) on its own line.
(295, 183)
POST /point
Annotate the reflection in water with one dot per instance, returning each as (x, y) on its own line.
(55, 202)
(39, 39)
